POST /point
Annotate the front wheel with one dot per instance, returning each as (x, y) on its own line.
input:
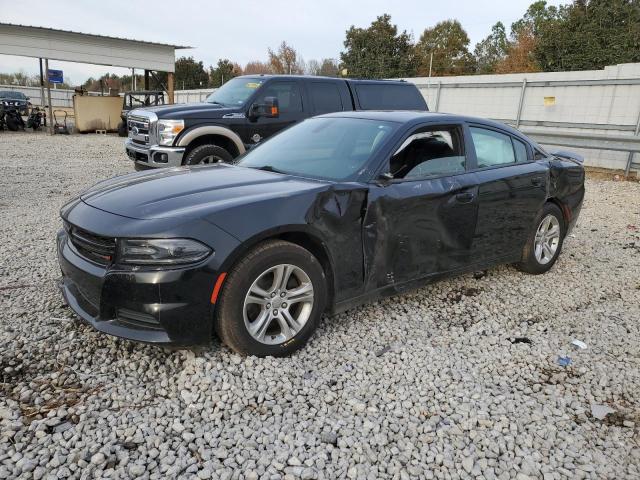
(207, 154)
(544, 245)
(272, 300)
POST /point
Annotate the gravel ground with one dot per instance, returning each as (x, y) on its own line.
(456, 380)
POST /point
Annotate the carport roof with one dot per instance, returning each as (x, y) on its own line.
(67, 45)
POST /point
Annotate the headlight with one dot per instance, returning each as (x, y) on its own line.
(168, 130)
(169, 251)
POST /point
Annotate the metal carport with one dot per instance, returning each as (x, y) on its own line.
(63, 45)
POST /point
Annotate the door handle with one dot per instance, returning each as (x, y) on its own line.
(536, 181)
(465, 197)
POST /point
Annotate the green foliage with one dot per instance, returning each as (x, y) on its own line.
(224, 71)
(493, 49)
(378, 51)
(328, 67)
(449, 44)
(590, 35)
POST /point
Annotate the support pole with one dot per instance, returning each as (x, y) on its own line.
(146, 80)
(630, 163)
(521, 103)
(438, 96)
(42, 102)
(133, 79)
(170, 79)
(46, 67)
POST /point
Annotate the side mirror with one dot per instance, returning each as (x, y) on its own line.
(268, 109)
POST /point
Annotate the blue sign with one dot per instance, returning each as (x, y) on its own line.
(55, 76)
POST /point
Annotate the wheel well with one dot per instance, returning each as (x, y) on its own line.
(566, 213)
(306, 241)
(219, 140)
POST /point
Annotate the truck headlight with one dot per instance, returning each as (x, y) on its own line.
(161, 251)
(168, 130)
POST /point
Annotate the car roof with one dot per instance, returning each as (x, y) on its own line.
(411, 117)
(268, 76)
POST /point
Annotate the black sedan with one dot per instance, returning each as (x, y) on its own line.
(333, 212)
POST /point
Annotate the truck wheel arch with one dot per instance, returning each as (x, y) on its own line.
(191, 137)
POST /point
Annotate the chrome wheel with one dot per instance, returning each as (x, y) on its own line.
(278, 304)
(547, 239)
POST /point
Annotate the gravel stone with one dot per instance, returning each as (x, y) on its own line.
(451, 396)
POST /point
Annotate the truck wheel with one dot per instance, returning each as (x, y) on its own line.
(206, 154)
(13, 124)
(122, 129)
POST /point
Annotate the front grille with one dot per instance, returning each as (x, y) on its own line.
(93, 247)
(141, 123)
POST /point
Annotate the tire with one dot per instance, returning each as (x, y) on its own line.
(122, 129)
(13, 124)
(206, 154)
(541, 260)
(233, 317)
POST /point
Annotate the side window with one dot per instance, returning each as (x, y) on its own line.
(492, 148)
(288, 95)
(429, 152)
(381, 96)
(325, 97)
(521, 151)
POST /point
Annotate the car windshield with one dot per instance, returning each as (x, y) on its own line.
(235, 92)
(327, 148)
(10, 94)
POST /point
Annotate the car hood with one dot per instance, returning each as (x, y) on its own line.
(190, 110)
(191, 191)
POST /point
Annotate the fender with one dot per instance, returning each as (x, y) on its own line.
(196, 132)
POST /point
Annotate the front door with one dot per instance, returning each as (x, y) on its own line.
(290, 105)
(421, 221)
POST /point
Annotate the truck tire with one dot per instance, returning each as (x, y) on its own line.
(122, 129)
(13, 124)
(207, 154)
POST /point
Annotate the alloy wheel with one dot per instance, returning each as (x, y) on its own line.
(547, 239)
(278, 304)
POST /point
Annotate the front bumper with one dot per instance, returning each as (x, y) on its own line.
(154, 156)
(152, 306)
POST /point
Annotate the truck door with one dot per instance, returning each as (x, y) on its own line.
(291, 109)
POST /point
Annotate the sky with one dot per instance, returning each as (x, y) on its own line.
(243, 30)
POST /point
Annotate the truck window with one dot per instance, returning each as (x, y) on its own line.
(389, 97)
(325, 97)
(287, 93)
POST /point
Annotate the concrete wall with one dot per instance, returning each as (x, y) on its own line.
(593, 101)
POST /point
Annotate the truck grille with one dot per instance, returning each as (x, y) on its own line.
(93, 247)
(139, 129)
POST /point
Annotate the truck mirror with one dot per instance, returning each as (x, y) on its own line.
(269, 108)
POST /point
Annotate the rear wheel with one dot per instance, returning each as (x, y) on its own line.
(207, 154)
(544, 245)
(272, 300)
(13, 124)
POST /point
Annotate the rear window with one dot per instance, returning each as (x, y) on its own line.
(389, 97)
(325, 97)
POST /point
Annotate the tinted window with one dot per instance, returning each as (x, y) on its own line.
(492, 148)
(325, 97)
(389, 97)
(521, 151)
(429, 153)
(12, 94)
(287, 93)
(331, 148)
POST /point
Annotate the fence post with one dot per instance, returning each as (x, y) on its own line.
(631, 154)
(438, 96)
(521, 103)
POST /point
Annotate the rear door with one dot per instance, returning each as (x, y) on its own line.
(327, 96)
(291, 109)
(422, 221)
(511, 190)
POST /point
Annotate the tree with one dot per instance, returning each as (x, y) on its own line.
(286, 60)
(224, 71)
(590, 34)
(256, 67)
(492, 49)
(378, 51)
(520, 56)
(448, 42)
(328, 67)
